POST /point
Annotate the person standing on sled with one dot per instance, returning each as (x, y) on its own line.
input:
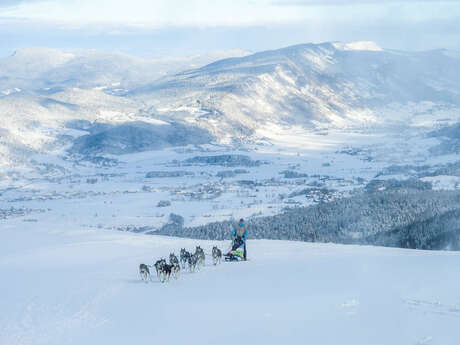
(240, 234)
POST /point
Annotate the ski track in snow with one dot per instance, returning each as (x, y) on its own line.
(423, 341)
(434, 307)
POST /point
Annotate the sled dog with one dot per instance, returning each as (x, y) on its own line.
(168, 270)
(199, 252)
(216, 255)
(175, 271)
(144, 272)
(173, 259)
(159, 267)
(184, 255)
(192, 261)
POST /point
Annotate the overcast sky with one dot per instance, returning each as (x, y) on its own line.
(177, 27)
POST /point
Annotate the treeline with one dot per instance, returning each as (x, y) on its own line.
(438, 232)
(405, 217)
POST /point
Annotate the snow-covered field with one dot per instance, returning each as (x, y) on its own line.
(70, 285)
(122, 196)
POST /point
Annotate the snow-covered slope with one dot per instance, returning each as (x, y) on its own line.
(43, 90)
(75, 286)
(312, 85)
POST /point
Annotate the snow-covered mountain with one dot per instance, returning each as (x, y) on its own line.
(43, 90)
(311, 85)
(244, 98)
(48, 69)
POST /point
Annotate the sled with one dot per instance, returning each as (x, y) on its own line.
(237, 251)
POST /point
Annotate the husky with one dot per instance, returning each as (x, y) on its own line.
(184, 255)
(159, 267)
(192, 261)
(199, 252)
(169, 270)
(216, 255)
(144, 272)
(175, 271)
(173, 259)
(166, 271)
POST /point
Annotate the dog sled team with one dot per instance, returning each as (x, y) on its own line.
(194, 262)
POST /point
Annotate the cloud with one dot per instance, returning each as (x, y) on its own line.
(11, 3)
(6, 3)
(212, 13)
(147, 41)
(290, 3)
(158, 13)
(178, 26)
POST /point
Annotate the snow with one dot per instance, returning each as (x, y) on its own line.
(70, 285)
(70, 278)
(358, 45)
(123, 197)
(443, 182)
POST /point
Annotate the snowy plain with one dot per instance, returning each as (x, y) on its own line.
(70, 285)
(57, 189)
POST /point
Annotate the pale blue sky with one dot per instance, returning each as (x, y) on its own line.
(176, 27)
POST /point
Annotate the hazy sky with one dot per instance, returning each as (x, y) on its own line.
(176, 27)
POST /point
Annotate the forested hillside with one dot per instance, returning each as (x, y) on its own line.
(395, 214)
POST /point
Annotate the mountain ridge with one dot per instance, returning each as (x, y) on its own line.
(312, 85)
(355, 86)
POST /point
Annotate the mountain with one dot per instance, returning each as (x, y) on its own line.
(49, 70)
(43, 91)
(310, 85)
(244, 98)
(137, 137)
